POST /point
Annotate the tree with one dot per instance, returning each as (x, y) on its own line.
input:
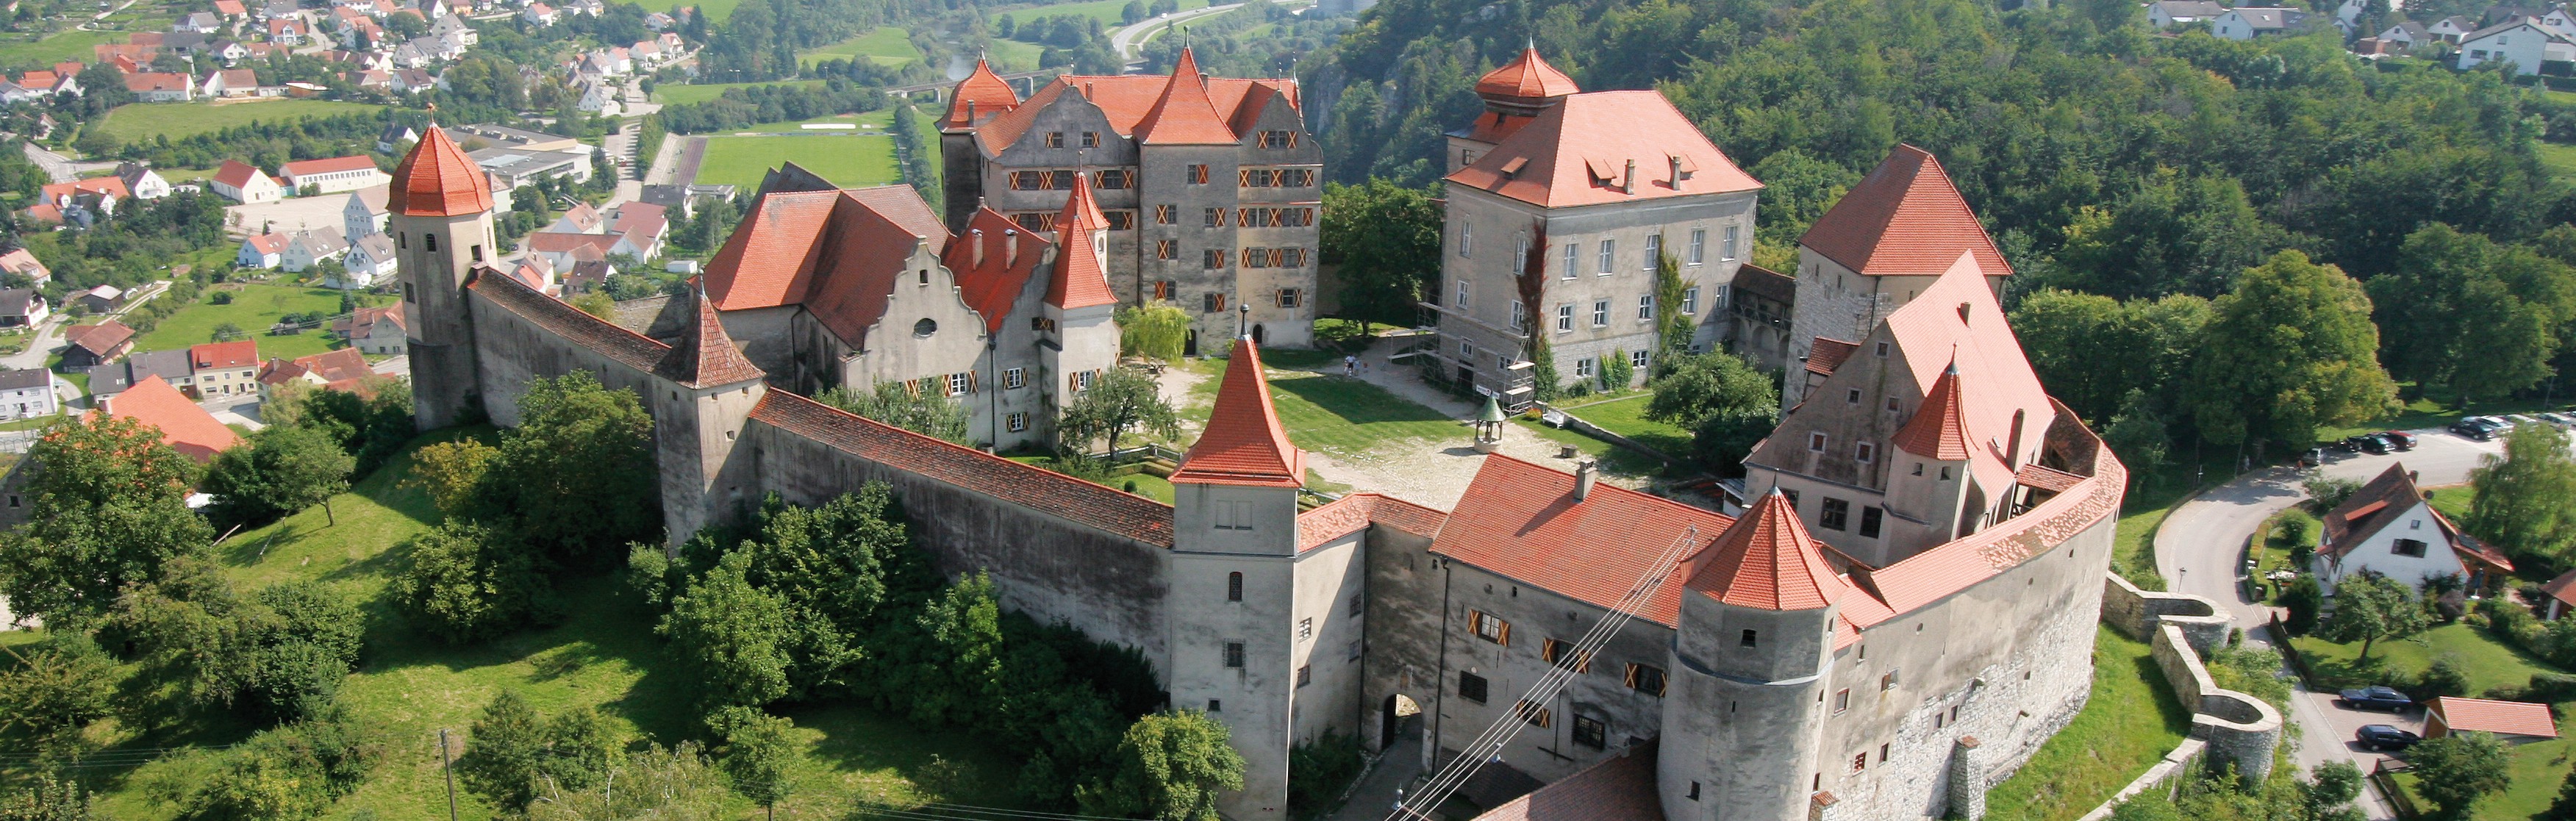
(109, 510)
(1617, 373)
(2303, 598)
(657, 784)
(1119, 401)
(576, 479)
(227, 332)
(2370, 607)
(2455, 770)
(1694, 388)
(732, 635)
(1386, 239)
(1722, 439)
(927, 411)
(2330, 791)
(56, 690)
(467, 583)
(1156, 330)
(2526, 498)
(2459, 311)
(757, 751)
(502, 751)
(2138, 434)
(2563, 808)
(449, 472)
(49, 800)
(283, 469)
(2290, 349)
(1171, 767)
(1675, 329)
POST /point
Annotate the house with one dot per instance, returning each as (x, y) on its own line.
(2245, 23)
(231, 9)
(230, 82)
(80, 198)
(187, 427)
(262, 251)
(539, 14)
(141, 181)
(2451, 29)
(171, 366)
(2165, 14)
(339, 370)
(27, 394)
(640, 228)
(602, 98)
(561, 251)
(586, 276)
(369, 263)
(2390, 529)
(365, 214)
(201, 23)
(244, 184)
(579, 219)
(2517, 722)
(44, 81)
(160, 87)
(657, 21)
(21, 307)
(373, 331)
(225, 368)
(96, 344)
(397, 138)
(333, 175)
(304, 248)
(99, 300)
(2521, 42)
(411, 79)
(2408, 35)
(287, 31)
(18, 261)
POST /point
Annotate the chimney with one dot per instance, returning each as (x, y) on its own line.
(1010, 248)
(978, 242)
(1628, 184)
(970, 112)
(1086, 90)
(1585, 473)
(1677, 171)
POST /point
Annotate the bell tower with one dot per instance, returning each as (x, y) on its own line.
(441, 222)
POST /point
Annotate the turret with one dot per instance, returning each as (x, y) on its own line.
(977, 99)
(440, 206)
(706, 393)
(1525, 86)
(1743, 718)
(1079, 304)
(1931, 476)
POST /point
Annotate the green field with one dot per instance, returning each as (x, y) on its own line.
(2560, 159)
(845, 160)
(716, 10)
(2488, 662)
(1106, 11)
(882, 120)
(175, 120)
(887, 45)
(1013, 55)
(254, 308)
(683, 94)
(74, 44)
(2130, 723)
(1627, 417)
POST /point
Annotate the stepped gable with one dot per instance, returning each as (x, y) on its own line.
(1581, 152)
(993, 285)
(437, 180)
(1127, 100)
(983, 95)
(1348, 514)
(1527, 77)
(1079, 281)
(1766, 561)
(1243, 443)
(1090, 505)
(1520, 520)
(1939, 429)
(835, 252)
(1185, 115)
(704, 357)
(592, 333)
(1905, 218)
(1956, 322)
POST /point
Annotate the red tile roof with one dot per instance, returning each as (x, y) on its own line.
(1766, 561)
(300, 168)
(269, 243)
(1619, 788)
(1185, 115)
(2558, 588)
(1348, 514)
(182, 423)
(838, 253)
(993, 285)
(1084, 503)
(2046, 478)
(1938, 429)
(143, 81)
(983, 92)
(1935, 574)
(1904, 218)
(2482, 715)
(1243, 443)
(437, 180)
(1527, 77)
(705, 357)
(1579, 151)
(235, 173)
(1828, 353)
(1125, 100)
(1520, 520)
(1079, 280)
(239, 353)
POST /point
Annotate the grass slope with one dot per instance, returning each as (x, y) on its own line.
(254, 308)
(19, 51)
(2130, 723)
(675, 94)
(845, 160)
(1627, 417)
(175, 120)
(1105, 11)
(2559, 159)
(2489, 663)
(887, 45)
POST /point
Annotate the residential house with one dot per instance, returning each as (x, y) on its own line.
(305, 248)
(21, 307)
(339, 370)
(2451, 29)
(50, 82)
(562, 251)
(373, 331)
(333, 175)
(370, 262)
(2247, 23)
(225, 368)
(279, 9)
(232, 9)
(95, 194)
(99, 300)
(288, 31)
(18, 261)
(96, 344)
(456, 29)
(411, 79)
(372, 79)
(15, 94)
(2389, 528)
(27, 394)
(587, 276)
(141, 181)
(397, 138)
(579, 219)
(540, 14)
(640, 228)
(188, 428)
(2164, 14)
(365, 214)
(657, 21)
(203, 22)
(262, 251)
(245, 184)
(2516, 722)
(160, 87)
(171, 366)
(601, 97)
(2521, 41)
(230, 82)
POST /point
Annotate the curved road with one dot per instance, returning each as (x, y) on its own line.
(2202, 543)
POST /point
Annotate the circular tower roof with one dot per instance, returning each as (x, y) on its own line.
(437, 180)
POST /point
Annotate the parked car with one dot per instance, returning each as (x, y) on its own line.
(2398, 439)
(2376, 698)
(2370, 443)
(2473, 428)
(2312, 457)
(2558, 421)
(2377, 737)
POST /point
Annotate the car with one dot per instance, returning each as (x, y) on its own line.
(2370, 443)
(2376, 697)
(2398, 439)
(2312, 457)
(2375, 737)
(2469, 428)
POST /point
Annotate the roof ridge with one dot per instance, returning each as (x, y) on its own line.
(1909, 206)
(705, 356)
(1938, 429)
(1243, 443)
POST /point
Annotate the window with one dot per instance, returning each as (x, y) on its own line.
(1018, 421)
(1870, 519)
(1654, 250)
(1305, 674)
(1289, 298)
(478, 252)
(1466, 240)
(1690, 300)
(1834, 515)
(1214, 217)
(1306, 628)
(1091, 139)
(1852, 396)
(1120, 220)
(1198, 174)
(1489, 628)
(1520, 252)
(1637, 359)
(432, 240)
(1471, 687)
(925, 327)
(1816, 442)
(1608, 249)
(957, 384)
(1165, 214)
(1864, 451)
(1750, 639)
(1234, 654)
(1216, 705)
(1646, 679)
(1466, 349)
(1233, 516)
(1358, 604)
(1860, 762)
(1727, 250)
(1055, 139)
(1213, 259)
(1583, 367)
(1461, 304)
(921, 277)
(1565, 317)
(2414, 524)
(1234, 586)
(1646, 308)
(1591, 732)
(1279, 139)
(1600, 313)
(1842, 700)
(1113, 178)
(1563, 654)
(1892, 408)
(1699, 246)
(2408, 547)
(1529, 711)
(1572, 250)
(1015, 378)
(1888, 682)
(1166, 249)
(1520, 317)
(1882, 351)
(1355, 650)
(1945, 473)
(1167, 289)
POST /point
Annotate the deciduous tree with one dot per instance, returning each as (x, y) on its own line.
(449, 472)
(1386, 239)
(576, 477)
(732, 635)
(2369, 607)
(757, 751)
(927, 411)
(2526, 497)
(1156, 330)
(1172, 766)
(1119, 401)
(659, 784)
(281, 470)
(108, 509)
(2291, 348)
(1694, 388)
(2454, 771)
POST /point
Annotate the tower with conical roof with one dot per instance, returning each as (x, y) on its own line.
(1877, 248)
(1514, 94)
(697, 417)
(440, 206)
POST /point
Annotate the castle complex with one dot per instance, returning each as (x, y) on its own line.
(1902, 617)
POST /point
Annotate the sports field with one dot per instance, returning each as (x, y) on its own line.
(887, 45)
(847, 160)
(143, 121)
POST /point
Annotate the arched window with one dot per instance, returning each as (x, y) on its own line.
(432, 240)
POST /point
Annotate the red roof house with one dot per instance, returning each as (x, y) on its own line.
(2515, 721)
(182, 423)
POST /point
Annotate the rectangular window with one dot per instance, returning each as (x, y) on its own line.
(1061, 180)
(1816, 442)
(1214, 218)
(1520, 253)
(1572, 250)
(1600, 313)
(1583, 367)
(1113, 178)
(1646, 679)
(1728, 249)
(1565, 317)
(1212, 260)
(1486, 627)
(1646, 308)
(1888, 681)
(1834, 515)
(1290, 298)
(1637, 360)
(1461, 304)
(1863, 451)
(1166, 249)
(2408, 547)
(1609, 248)
(1471, 687)
(1167, 289)
(1860, 762)
(1531, 712)
(1591, 732)
(1306, 628)
(1698, 246)
(956, 384)
(1359, 604)
(1654, 250)
(1870, 518)
(1091, 139)
(1751, 638)
(1165, 214)
(1232, 516)
(1019, 421)
(1305, 674)
(1120, 220)
(1198, 174)
(1055, 139)
(1466, 240)
(1234, 586)
(1520, 317)
(1015, 378)
(1279, 139)
(1690, 301)
(1842, 700)
(1234, 654)
(1563, 654)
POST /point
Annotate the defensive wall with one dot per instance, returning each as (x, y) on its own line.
(2181, 629)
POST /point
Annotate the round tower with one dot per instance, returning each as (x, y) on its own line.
(1746, 705)
(440, 206)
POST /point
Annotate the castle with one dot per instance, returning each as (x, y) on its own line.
(1888, 631)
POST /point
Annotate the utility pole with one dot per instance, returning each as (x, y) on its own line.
(448, 769)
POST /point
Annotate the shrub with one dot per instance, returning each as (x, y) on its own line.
(467, 583)
(2444, 678)
(2303, 598)
(512, 753)
(291, 772)
(1319, 770)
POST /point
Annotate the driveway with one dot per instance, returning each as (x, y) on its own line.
(2202, 544)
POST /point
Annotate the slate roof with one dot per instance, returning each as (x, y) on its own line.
(1579, 152)
(1904, 218)
(25, 379)
(1243, 443)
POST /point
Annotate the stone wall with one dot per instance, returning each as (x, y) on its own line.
(2137, 613)
(2163, 778)
(2240, 729)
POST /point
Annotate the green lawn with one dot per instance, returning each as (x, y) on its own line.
(882, 120)
(71, 44)
(1013, 55)
(716, 10)
(176, 120)
(2130, 723)
(2488, 662)
(844, 159)
(887, 45)
(675, 94)
(1106, 11)
(254, 308)
(1627, 417)
(2560, 159)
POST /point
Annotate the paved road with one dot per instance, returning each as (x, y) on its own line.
(60, 168)
(2202, 544)
(1129, 41)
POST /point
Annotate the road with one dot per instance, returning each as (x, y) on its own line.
(59, 168)
(1129, 41)
(2202, 544)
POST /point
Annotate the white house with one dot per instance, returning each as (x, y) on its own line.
(333, 175)
(18, 261)
(27, 393)
(261, 251)
(365, 214)
(21, 307)
(2520, 41)
(2451, 29)
(370, 263)
(2164, 14)
(142, 182)
(244, 184)
(2249, 23)
(2389, 528)
(230, 82)
(305, 248)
